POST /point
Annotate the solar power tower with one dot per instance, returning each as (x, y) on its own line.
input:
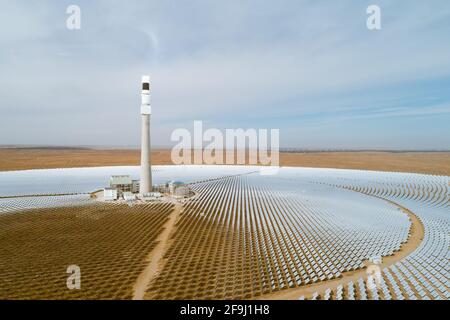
(146, 110)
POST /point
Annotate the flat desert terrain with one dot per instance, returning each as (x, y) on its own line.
(437, 163)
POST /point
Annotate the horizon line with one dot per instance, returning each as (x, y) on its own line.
(165, 147)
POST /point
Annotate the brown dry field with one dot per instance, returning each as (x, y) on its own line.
(421, 162)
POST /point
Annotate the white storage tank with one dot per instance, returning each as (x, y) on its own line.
(110, 194)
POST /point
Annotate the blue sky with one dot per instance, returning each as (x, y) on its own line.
(310, 68)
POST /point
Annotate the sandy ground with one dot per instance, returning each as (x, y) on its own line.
(421, 162)
(156, 256)
(416, 236)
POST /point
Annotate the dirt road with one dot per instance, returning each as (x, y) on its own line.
(156, 257)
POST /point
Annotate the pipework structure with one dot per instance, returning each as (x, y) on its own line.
(146, 111)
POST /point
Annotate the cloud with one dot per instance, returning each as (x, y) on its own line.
(231, 62)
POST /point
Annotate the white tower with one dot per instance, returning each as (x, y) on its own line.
(146, 110)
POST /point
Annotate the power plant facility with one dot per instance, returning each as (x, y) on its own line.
(123, 187)
(287, 157)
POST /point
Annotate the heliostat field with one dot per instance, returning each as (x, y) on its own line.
(297, 234)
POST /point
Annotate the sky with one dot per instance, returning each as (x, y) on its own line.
(310, 68)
